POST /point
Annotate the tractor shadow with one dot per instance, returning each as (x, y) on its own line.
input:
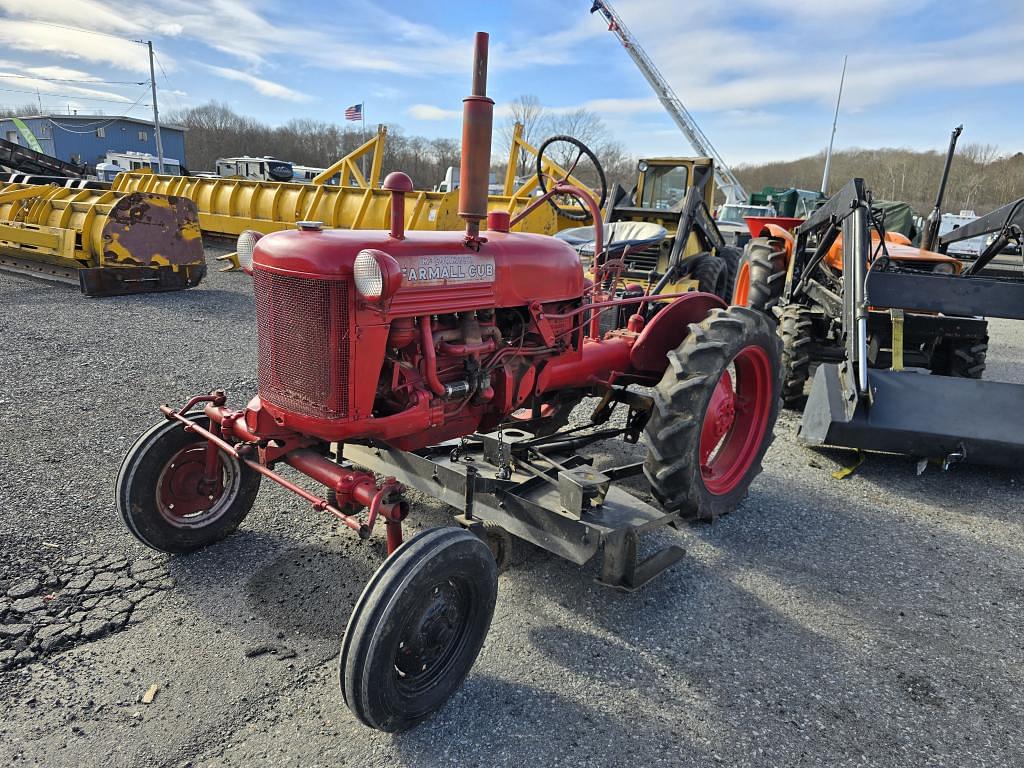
(544, 723)
(834, 603)
(972, 489)
(266, 586)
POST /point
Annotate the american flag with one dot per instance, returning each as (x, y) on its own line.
(355, 112)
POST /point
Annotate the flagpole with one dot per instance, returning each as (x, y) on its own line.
(362, 121)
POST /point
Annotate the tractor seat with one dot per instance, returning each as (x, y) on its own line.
(618, 236)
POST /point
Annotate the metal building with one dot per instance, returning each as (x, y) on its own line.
(87, 138)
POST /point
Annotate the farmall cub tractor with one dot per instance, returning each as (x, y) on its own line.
(448, 362)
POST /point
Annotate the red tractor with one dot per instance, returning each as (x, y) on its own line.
(449, 362)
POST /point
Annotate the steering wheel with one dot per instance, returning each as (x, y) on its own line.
(570, 207)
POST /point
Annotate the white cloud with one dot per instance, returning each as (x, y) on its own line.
(54, 71)
(432, 112)
(266, 87)
(80, 13)
(41, 38)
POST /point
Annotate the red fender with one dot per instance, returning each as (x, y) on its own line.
(668, 329)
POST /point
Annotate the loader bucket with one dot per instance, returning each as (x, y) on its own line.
(937, 417)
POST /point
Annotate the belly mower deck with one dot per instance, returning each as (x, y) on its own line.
(539, 490)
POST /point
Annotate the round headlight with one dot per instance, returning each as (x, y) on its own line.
(244, 248)
(943, 268)
(642, 166)
(368, 275)
(377, 275)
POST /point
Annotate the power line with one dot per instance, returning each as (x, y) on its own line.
(92, 127)
(75, 29)
(4, 76)
(67, 96)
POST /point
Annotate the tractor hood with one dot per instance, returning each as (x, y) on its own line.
(439, 272)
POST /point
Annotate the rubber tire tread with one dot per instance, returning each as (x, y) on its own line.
(141, 470)
(672, 466)
(767, 259)
(710, 272)
(965, 358)
(795, 328)
(361, 674)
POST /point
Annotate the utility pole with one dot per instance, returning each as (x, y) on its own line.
(832, 138)
(156, 112)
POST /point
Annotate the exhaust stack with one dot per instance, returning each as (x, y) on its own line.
(477, 120)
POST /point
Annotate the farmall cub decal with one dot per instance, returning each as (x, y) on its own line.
(447, 269)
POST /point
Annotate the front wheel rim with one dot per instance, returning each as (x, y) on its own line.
(735, 421)
(185, 499)
(431, 643)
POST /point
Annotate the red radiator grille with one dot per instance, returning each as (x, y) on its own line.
(303, 332)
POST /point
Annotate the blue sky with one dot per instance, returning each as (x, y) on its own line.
(759, 75)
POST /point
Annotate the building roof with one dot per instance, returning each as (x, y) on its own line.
(90, 120)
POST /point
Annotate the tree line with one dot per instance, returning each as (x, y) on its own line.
(980, 178)
(215, 130)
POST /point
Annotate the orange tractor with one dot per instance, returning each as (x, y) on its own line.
(877, 315)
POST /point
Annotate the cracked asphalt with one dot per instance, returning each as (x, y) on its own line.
(874, 621)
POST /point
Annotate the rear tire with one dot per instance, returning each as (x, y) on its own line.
(761, 275)
(159, 496)
(795, 328)
(692, 410)
(711, 274)
(964, 358)
(417, 628)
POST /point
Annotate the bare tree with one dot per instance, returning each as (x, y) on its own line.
(981, 179)
(527, 111)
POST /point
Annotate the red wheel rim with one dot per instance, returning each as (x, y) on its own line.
(735, 421)
(185, 498)
(741, 291)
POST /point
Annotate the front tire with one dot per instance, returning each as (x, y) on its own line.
(795, 327)
(417, 628)
(161, 495)
(761, 277)
(711, 427)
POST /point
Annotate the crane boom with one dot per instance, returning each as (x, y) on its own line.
(724, 177)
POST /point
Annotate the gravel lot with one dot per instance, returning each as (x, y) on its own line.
(875, 620)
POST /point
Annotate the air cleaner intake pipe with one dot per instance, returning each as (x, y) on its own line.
(477, 120)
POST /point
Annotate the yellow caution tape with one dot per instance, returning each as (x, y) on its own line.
(845, 472)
